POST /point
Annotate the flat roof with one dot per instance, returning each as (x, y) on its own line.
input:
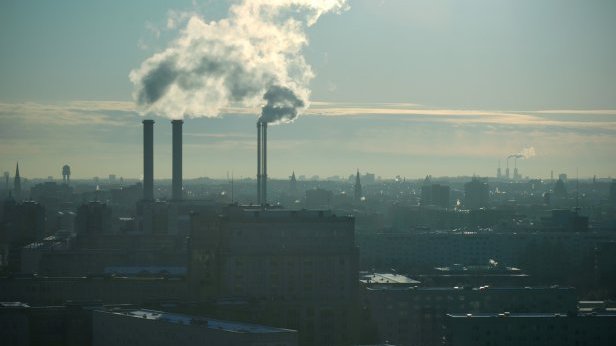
(529, 315)
(387, 278)
(137, 270)
(14, 305)
(474, 289)
(235, 327)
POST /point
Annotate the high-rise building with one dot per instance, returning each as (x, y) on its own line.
(93, 218)
(22, 224)
(298, 268)
(613, 191)
(476, 194)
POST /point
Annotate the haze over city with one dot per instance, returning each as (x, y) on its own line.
(308, 173)
(400, 88)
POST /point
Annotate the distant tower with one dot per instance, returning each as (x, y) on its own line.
(66, 174)
(293, 185)
(552, 175)
(507, 169)
(516, 174)
(358, 193)
(17, 184)
(498, 171)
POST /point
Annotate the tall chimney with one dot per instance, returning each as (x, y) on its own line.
(258, 162)
(261, 163)
(148, 160)
(264, 173)
(176, 180)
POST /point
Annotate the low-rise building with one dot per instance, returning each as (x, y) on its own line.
(152, 328)
(545, 329)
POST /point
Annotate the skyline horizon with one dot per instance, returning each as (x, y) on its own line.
(110, 116)
(417, 87)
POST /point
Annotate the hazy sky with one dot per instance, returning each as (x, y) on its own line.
(401, 88)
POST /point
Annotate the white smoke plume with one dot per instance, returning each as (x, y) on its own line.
(525, 153)
(252, 57)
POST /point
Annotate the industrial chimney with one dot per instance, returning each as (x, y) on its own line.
(176, 180)
(262, 163)
(148, 160)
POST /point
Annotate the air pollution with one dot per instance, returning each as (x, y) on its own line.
(253, 58)
(525, 153)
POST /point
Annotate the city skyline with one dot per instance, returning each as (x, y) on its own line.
(442, 96)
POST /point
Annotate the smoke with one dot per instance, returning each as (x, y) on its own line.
(282, 105)
(252, 56)
(525, 153)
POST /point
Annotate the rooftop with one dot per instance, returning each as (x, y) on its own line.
(387, 278)
(14, 305)
(531, 315)
(235, 327)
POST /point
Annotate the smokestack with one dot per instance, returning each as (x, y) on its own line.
(264, 173)
(261, 163)
(148, 160)
(176, 180)
(258, 162)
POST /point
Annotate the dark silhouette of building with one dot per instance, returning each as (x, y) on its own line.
(416, 315)
(69, 324)
(66, 174)
(559, 188)
(435, 194)
(613, 191)
(93, 218)
(545, 328)
(17, 184)
(476, 194)
(23, 223)
(298, 268)
(293, 185)
(357, 188)
(606, 266)
(565, 220)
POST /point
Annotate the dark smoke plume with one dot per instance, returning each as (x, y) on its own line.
(282, 105)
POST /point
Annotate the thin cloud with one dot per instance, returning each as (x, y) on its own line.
(72, 113)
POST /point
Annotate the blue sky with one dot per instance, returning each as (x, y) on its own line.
(401, 88)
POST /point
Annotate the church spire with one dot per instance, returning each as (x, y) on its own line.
(17, 183)
(358, 192)
(293, 185)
